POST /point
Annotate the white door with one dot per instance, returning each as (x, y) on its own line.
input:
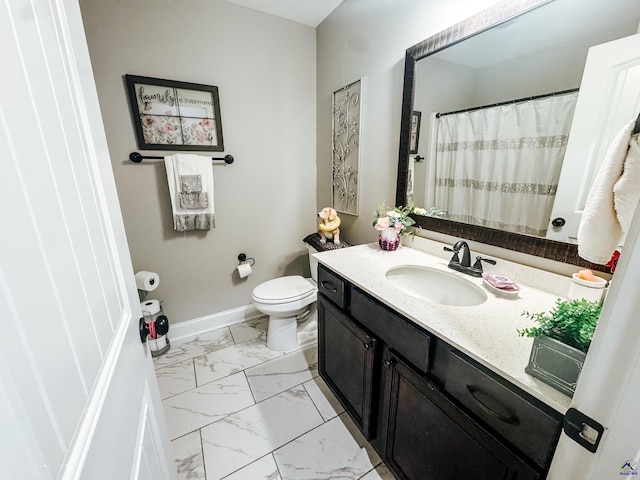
(609, 98)
(78, 397)
(608, 390)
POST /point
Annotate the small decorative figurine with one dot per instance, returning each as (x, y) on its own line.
(328, 225)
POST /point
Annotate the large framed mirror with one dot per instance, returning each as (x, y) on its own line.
(517, 52)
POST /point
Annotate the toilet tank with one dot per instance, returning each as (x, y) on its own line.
(313, 262)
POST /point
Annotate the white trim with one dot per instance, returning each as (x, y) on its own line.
(76, 455)
(147, 449)
(191, 328)
(142, 425)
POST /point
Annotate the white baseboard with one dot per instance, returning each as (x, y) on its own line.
(191, 328)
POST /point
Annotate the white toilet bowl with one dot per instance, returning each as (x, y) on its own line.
(285, 300)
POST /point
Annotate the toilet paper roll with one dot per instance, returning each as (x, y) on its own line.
(150, 307)
(244, 269)
(147, 281)
(158, 343)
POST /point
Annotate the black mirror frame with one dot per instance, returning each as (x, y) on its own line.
(486, 19)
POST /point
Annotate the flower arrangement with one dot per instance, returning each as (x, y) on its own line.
(397, 218)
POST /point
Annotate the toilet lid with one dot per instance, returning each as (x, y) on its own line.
(283, 289)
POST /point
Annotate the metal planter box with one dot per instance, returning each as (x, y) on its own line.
(555, 363)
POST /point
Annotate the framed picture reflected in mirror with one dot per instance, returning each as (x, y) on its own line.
(415, 132)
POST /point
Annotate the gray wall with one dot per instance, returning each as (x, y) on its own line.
(265, 69)
(367, 39)
(270, 73)
(441, 86)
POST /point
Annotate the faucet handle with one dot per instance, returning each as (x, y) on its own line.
(454, 258)
(478, 265)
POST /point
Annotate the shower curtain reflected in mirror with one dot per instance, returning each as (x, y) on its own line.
(499, 166)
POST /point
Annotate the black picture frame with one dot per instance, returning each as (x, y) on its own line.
(174, 115)
(415, 132)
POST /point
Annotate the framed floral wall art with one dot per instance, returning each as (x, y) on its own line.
(172, 115)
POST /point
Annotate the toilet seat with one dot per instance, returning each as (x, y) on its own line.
(283, 290)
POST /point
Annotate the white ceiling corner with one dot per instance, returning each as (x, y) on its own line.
(308, 12)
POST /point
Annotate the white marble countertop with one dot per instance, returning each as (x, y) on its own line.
(486, 332)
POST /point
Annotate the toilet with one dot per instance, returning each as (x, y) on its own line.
(288, 301)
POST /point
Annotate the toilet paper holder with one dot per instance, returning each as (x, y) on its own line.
(243, 258)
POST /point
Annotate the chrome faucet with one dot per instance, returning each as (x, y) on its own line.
(464, 265)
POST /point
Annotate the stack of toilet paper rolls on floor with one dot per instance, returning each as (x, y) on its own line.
(156, 324)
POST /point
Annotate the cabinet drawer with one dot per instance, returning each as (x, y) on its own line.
(332, 286)
(533, 429)
(406, 339)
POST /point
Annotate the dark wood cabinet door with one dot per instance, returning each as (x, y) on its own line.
(347, 355)
(429, 438)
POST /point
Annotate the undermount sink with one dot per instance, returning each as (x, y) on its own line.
(437, 286)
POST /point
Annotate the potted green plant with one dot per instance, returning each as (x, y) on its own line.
(561, 341)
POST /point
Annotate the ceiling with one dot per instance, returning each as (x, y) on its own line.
(308, 12)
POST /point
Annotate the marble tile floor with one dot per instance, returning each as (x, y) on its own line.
(236, 410)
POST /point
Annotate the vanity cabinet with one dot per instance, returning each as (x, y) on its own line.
(429, 437)
(347, 362)
(431, 412)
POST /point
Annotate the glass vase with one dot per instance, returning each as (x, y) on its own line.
(389, 239)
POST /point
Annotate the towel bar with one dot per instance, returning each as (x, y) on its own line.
(136, 157)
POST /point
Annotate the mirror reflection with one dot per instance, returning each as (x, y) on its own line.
(496, 115)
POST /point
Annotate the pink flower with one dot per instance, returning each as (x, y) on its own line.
(398, 226)
(207, 124)
(382, 223)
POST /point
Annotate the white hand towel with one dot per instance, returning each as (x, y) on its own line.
(612, 199)
(190, 179)
(626, 191)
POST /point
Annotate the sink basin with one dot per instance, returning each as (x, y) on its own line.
(437, 286)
